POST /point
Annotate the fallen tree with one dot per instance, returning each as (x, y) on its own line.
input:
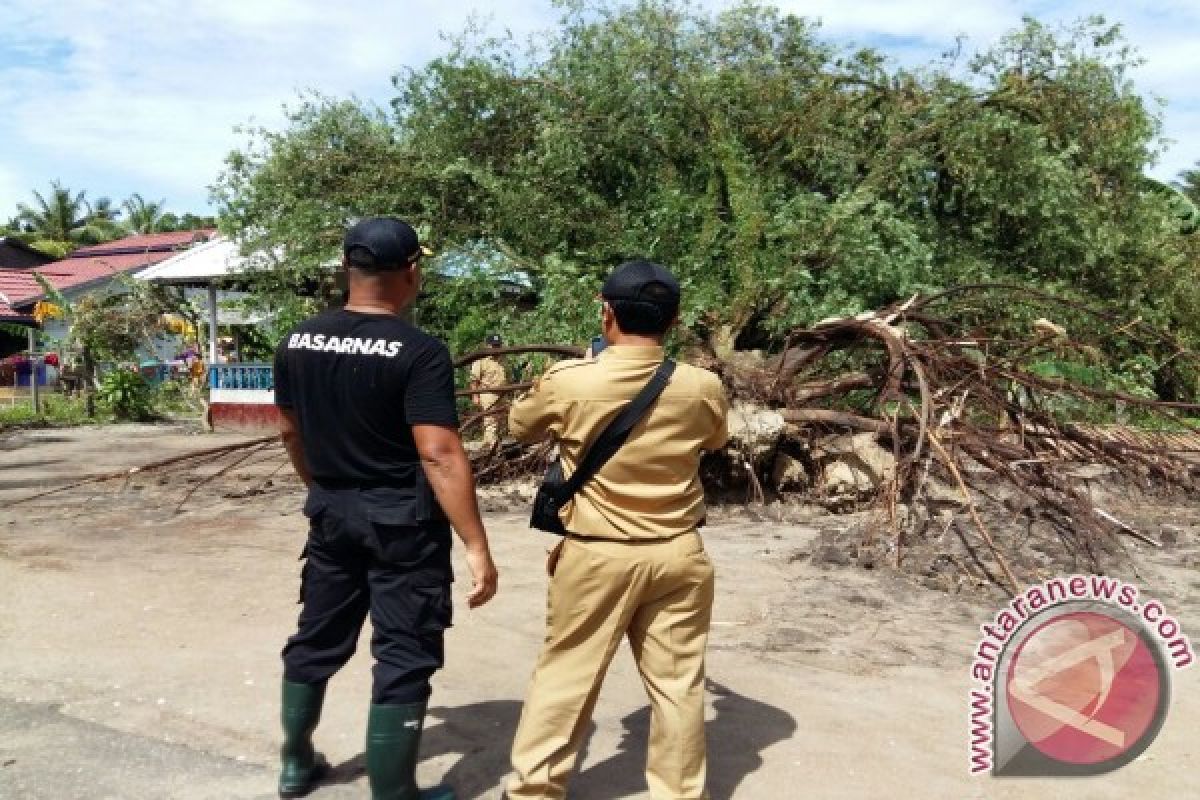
(928, 405)
(964, 428)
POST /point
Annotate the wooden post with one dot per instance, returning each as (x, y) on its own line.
(33, 373)
(89, 382)
(212, 324)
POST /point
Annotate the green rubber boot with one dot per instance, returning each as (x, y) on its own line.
(393, 741)
(302, 765)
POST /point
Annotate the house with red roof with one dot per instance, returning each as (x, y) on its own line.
(16, 257)
(92, 267)
(88, 269)
(15, 286)
(16, 254)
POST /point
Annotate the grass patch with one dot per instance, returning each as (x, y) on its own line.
(58, 410)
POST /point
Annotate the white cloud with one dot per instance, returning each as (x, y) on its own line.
(143, 95)
(936, 21)
(10, 186)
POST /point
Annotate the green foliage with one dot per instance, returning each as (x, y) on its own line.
(126, 395)
(143, 217)
(295, 190)
(783, 179)
(114, 326)
(176, 397)
(170, 221)
(67, 216)
(57, 410)
(1134, 377)
(131, 399)
(62, 220)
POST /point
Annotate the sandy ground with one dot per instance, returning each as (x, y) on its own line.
(139, 652)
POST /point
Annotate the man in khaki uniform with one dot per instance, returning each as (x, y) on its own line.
(488, 373)
(632, 564)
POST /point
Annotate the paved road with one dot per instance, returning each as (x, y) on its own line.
(47, 754)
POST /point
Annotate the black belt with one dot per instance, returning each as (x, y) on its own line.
(339, 485)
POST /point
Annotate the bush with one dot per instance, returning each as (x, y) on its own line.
(177, 396)
(57, 410)
(126, 395)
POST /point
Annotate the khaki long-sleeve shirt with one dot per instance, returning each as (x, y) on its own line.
(651, 488)
(487, 373)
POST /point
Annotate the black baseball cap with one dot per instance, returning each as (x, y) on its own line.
(642, 282)
(382, 243)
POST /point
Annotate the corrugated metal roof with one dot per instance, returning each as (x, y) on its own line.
(75, 272)
(143, 242)
(1122, 438)
(16, 285)
(95, 263)
(217, 258)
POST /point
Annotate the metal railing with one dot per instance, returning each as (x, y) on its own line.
(241, 376)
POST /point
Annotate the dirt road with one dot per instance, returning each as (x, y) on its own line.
(139, 653)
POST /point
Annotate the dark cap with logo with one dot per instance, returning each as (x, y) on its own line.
(382, 243)
(642, 282)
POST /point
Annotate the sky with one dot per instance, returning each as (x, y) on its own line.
(145, 95)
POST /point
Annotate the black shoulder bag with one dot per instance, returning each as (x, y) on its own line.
(554, 493)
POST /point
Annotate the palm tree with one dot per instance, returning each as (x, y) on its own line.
(1189, 183)
(103, 209)
(56, 218)
(67, 217)
(104, 219)
(143, 217)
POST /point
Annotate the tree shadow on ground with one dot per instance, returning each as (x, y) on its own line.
(741, 730)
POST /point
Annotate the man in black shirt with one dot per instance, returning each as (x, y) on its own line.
(369, 421)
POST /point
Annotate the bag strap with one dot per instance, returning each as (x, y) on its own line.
(617, 432)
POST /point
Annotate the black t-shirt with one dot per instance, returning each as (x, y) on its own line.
(356, 383)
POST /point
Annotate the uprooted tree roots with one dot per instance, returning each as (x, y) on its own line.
(975, 435)
(985, 444)
(963, 408)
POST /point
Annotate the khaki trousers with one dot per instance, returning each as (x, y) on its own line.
(659, 595)
(490, 423)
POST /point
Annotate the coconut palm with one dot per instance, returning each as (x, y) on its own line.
(104, 219)
(67, 216)
(104, 210)
(1189, 183)
(143, 217)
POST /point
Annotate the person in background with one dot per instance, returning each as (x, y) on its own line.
(489, 373)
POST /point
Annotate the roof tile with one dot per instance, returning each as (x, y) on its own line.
(88, 264)
(143, 242)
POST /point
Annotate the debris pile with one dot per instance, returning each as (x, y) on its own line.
(948, 419)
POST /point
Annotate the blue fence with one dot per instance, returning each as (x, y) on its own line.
(241, 376)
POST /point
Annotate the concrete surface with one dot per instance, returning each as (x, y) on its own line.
(139, 652)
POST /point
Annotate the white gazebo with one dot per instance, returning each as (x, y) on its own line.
(241, 395)
(207, 266)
